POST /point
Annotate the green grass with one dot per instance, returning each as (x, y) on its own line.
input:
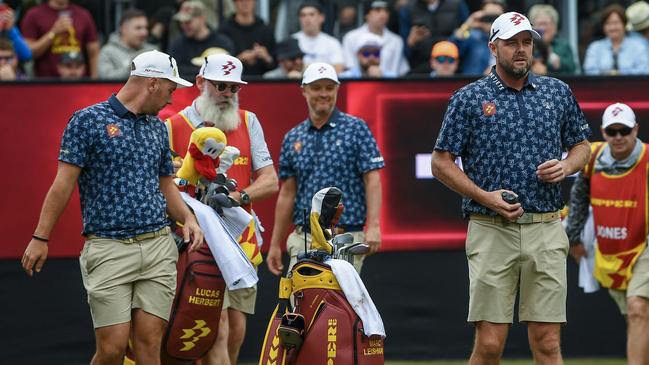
(505, 362)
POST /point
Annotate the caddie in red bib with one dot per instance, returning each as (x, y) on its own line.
(614, 184)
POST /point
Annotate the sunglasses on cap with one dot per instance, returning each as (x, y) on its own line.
(613, 132)
(371, 52)
(444, 59)
(222, 86)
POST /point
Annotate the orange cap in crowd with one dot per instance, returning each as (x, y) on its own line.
(445, 48)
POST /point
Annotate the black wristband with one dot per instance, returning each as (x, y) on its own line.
(37, 238)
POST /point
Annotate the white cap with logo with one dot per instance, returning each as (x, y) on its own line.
(222, 67)
(318, 71)
(509, 24)
(618, 113)
(159, 65)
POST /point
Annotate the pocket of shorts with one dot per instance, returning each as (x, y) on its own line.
(469, 244)
(557, 254)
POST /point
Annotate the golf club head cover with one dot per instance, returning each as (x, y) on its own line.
(324, 208)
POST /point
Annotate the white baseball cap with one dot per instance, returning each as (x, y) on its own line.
(318, 71)
(618, 113)
(509, 24)
(222, 67)
(157, 64)
(368, 40)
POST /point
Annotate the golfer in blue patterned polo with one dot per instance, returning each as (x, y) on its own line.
(329, 148)
(510, 128)
(119, 153)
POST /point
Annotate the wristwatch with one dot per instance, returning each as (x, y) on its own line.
(245, 198)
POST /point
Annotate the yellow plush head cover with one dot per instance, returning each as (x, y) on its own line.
(205, 146)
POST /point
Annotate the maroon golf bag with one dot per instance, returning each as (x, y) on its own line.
(323, 329)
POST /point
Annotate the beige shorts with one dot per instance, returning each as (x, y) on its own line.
(242, 300)
(506, 258)
(638, 285)
(119, 277)
(295, 246)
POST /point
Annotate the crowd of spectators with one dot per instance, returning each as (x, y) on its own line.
(365, 38)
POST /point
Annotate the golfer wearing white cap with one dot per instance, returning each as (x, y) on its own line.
(219, 81)
(117, 151)
(510, 128)
(328, 148)
(614, 183)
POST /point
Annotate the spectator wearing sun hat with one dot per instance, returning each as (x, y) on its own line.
(638, 21)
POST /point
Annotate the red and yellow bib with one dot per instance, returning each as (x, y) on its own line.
(621, 220)
(181, 129)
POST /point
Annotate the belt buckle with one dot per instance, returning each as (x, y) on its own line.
(525, 218)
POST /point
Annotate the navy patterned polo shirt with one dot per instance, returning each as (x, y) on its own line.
(122, 157)
(338, 154)
(503, 134)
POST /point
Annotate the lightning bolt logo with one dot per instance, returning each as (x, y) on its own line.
(516, 18)
(228, 67)
(192, 334)
(616, 111)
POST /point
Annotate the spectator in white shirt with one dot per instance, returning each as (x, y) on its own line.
(316, 45)
(377, 16)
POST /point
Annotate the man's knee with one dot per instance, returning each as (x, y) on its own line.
(110, 352)
(546, 340)
(489, 347)
(637, 309)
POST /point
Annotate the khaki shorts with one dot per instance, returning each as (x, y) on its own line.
(242, 300)
(638, 285)
(502, 255)
(295, 246)
(119, 277)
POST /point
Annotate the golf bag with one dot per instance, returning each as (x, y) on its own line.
(323, 328)
(196, 311)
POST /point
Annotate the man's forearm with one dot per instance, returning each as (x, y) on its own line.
(265, 184)
(578, 209)
(445, 170)
(577, 157)
(372, 181)
(176, 207)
